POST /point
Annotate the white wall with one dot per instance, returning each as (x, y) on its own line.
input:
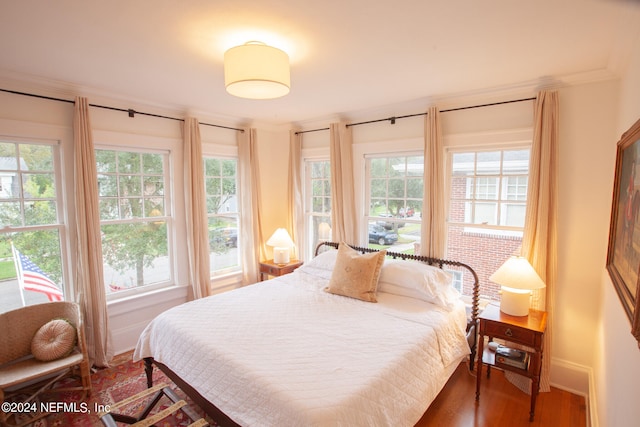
(273, 155)
(617, 356)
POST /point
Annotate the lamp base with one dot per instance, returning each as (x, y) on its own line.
(515, 302)
(281, 255)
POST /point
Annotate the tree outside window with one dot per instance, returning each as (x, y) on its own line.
(134, 218)
(29, 211)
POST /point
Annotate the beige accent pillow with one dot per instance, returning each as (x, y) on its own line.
(356, 275)
(54, 340)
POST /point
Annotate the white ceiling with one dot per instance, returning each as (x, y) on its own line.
(347, 56)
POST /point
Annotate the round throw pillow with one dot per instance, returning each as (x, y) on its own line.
(54, 339)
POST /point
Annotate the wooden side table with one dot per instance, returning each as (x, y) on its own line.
(270, 268)
(525, 330)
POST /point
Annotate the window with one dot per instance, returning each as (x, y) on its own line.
(489, 189)
(395, 188)
(31, 229)
(487, 205)
(317, 203)
(221, 189)
(135, 218)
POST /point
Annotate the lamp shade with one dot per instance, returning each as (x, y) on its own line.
(281, 239)
(282, 244)
(517, 273)
(517, 278)
(256, 71)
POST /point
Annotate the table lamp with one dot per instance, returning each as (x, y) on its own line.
(282, 244)
(517, 278)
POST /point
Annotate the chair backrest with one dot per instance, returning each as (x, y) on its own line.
(17, 327)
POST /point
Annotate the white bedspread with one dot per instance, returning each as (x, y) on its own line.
(286, 353)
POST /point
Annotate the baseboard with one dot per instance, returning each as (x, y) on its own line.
(577, 379)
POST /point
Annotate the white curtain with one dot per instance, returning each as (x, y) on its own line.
(89, 274)
(252, 245)
(432, 242)
(196, 210)
(539, 243)
(295, 214)
(343, 207)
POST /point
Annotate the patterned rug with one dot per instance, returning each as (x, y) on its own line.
(111, 385)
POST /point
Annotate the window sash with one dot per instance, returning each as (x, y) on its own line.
(38, 230)
(136, 219)
(223, 214)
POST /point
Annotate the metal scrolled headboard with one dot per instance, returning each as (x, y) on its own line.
(472, 322)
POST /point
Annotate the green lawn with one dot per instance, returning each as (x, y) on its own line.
(7, 270)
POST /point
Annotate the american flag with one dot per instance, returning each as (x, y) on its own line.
(32, 278)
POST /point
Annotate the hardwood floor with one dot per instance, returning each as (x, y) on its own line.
(501, 404)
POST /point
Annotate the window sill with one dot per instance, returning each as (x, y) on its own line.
(159, 296)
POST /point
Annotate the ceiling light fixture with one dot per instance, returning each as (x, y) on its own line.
(256, 71)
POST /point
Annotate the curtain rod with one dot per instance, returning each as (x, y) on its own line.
(129, 111)
(393, 119)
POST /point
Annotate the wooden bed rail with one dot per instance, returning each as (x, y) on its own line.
(472, 322)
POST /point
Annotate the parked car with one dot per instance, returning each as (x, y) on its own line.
(381, 236)
(227, 236)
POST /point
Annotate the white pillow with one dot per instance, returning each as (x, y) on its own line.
(321, 265)
(324, 261)
(418, 280)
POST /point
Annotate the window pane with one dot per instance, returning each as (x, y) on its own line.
(486, 213)
(395, 189)
(378, 188)
(130, 185)
(513, 214)
(317, 170)
(153, 185)
(106, 161)
(221, 187)
(108, 209)
(229, 168)
(317, 203)
(415, 188)
(131, 208)
(128, 162)
(37, 157)
(516, 161)
(40, 212)
(415, 166)
(107, 185)
(223, 243)
(212, 167)
(153, 207)
(488, 162)
(135, 254)
(153, 163)
(10, 214)
(229, 186)
(8, 150)
(41, 261)
(317, 188)
(378, 168)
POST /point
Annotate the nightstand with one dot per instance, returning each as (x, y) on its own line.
(269, 268)
(525, 330)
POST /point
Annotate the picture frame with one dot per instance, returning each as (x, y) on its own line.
(623, 252)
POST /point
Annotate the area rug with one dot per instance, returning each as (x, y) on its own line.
(111, 385)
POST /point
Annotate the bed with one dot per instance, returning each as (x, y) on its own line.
(295, 350)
